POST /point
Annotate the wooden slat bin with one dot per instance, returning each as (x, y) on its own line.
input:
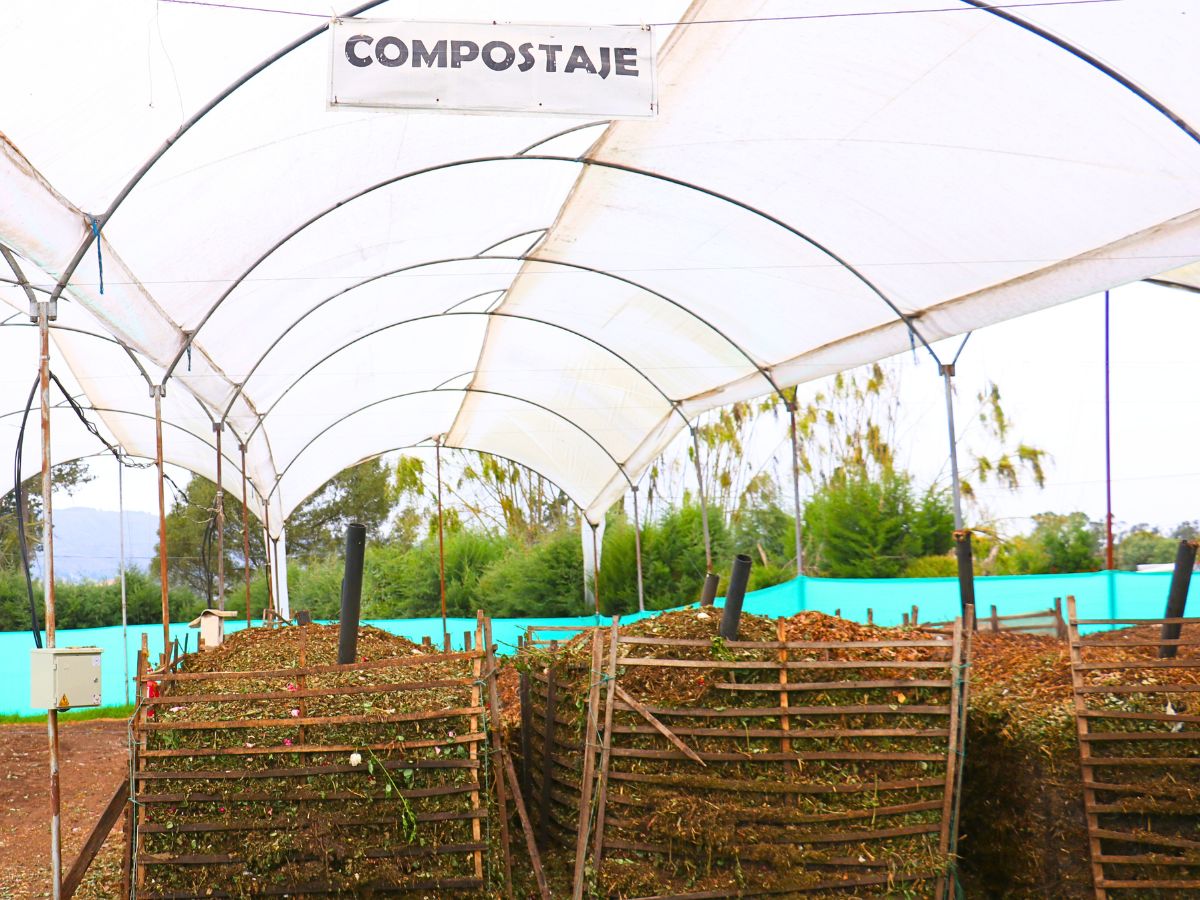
(725, 768)
(318, 779)
(1139, 741)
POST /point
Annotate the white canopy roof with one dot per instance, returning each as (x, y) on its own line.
(827, 183)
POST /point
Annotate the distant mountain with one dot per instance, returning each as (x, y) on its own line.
(87, 542)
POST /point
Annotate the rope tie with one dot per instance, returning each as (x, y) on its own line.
(99, 254)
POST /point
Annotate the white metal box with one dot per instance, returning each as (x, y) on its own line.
(63, 677)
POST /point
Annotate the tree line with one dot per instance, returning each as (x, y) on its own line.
(513, 544)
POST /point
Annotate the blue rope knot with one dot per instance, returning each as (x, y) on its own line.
(99, 254)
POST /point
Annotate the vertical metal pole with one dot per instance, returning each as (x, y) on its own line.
(162, 522)
(43, 311)
(124, 603)
(596, 568)
(441, 539)
(1108, 518)
(962, 537)
(703, 503)
(267, 550)
(956, 487)
(245, 533)
(796, 483)
(637, 549)
(219, 428)
(281, 605)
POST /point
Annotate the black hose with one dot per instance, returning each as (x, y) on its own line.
(19, 496)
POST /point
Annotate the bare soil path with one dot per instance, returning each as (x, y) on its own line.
(94, 760)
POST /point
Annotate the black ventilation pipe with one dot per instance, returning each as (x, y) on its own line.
(966, 569)
(1181, 580)
(734, 595)
(708, 593)
(356, 543)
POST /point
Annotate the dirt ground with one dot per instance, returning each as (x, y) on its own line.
(94, 760)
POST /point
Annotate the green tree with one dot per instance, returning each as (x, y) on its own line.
(542, 579)
(192, 542)
(857, 526)
(364, 494)
(1058, 543)
(1143, 544)
(503, 495)
(1186, 531)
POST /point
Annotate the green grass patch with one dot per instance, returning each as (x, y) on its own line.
(73, 715)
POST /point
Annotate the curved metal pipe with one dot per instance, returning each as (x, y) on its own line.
(102, 337)
(167, 423)
(618, 167)
(183, 129)
(549, 262)
(466, 390)
(421, 445)
(1096, 63)
(432, 316)
(564, 133)
(490, 247)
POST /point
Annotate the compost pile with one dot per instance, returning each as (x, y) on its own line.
(844, 788)
(267, 767)
(1023, 823)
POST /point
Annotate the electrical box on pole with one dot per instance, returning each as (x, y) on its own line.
(64, 677)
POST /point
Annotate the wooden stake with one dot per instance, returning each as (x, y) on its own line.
(1085, 751)
(473, 755)
(662, 729)
(485, 627)
(785, 743)
(535, 858)
(589, 767)
(606, 747)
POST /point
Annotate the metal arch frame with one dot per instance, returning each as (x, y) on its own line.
(7, 323)
(62, 406)
(467, 390)
(102, 337)
(522, 259)
(22, 281)
(584, 162)
(136, 178)
(445, 390)
(455, 305)
(598, 123)
(1097, 64)
(189, 433)
(491, 247)
(158, 154)
(674, 405)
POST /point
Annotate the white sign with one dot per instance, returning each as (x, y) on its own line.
(572, 70)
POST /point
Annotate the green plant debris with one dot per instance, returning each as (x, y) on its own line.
(359, 780)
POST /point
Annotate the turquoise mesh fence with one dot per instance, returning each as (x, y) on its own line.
(1099, 595)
